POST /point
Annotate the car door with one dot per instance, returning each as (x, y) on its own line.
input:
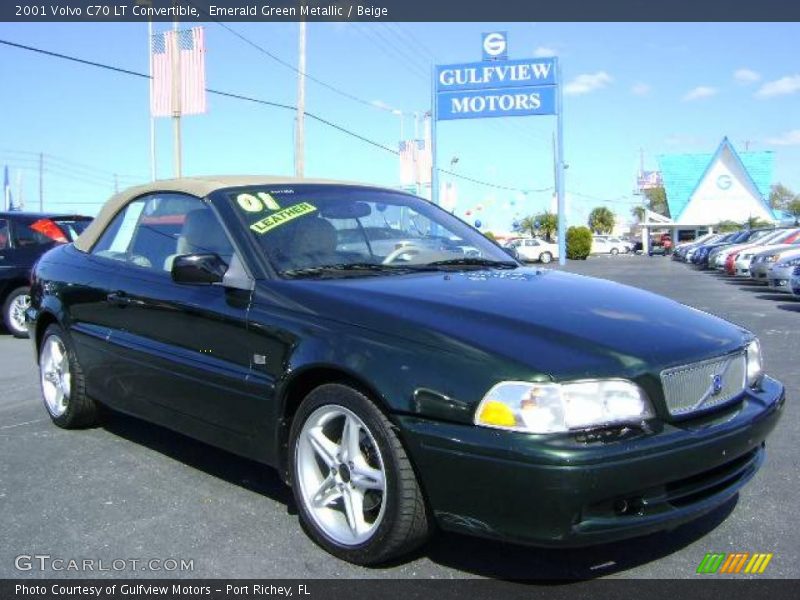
(183, 350)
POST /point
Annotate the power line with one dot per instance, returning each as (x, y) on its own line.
(260, 101)
(290, 66)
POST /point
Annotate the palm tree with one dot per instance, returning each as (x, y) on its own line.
(638, 212)
(601, 220)
(527, 225)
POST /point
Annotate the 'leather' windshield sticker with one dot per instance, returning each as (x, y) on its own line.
(282, 216)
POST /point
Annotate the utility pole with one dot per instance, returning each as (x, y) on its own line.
(41, 181)
(176, 101)
(20, 199)
(300, 124)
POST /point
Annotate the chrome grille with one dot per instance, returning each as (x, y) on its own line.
(692, 388)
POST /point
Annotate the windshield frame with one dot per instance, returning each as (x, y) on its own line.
(223, 200)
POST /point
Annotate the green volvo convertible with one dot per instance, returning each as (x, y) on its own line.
(401, 371)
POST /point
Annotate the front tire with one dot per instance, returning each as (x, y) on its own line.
(545, 257)
(614, 252)
(14, 309)
(356, 491)
(62, 382)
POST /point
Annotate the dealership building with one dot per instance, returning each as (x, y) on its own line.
(704, 189)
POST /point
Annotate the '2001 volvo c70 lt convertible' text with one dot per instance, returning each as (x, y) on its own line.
(341, 334)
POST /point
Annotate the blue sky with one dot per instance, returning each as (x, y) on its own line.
(662, 87)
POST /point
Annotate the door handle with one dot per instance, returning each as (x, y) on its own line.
(120, 299)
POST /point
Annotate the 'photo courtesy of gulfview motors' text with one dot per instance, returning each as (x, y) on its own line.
(298, 291)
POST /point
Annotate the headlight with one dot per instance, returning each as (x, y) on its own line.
(771, 258)
(553, 407)
(788, 263)
(755, 368)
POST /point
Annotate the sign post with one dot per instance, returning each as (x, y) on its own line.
(498, 87)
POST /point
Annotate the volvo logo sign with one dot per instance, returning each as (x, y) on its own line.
(716, 384)
(495, 46)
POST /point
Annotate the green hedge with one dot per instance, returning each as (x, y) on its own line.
(579, 243)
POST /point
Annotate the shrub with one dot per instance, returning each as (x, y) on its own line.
(579, 243)
(490, 235)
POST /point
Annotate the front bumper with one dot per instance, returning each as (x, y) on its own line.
(562, 491)
(760, 271)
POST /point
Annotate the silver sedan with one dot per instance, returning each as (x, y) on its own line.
(779, 274)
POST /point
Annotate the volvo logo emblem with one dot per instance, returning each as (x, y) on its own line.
(716, 384)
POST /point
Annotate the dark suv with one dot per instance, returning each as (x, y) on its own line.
(24, 237)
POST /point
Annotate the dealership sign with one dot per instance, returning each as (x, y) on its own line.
(501, 88)
(498, 87)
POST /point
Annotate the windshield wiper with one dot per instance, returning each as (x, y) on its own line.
(473, 262)
(345, 268)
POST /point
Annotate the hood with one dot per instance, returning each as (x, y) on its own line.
(561, 324)
(777, 248)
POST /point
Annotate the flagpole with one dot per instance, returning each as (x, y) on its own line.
(176, 101)
(300, 129)
(153, 175)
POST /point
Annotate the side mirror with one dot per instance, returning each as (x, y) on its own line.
(198, 269)
(512, 252)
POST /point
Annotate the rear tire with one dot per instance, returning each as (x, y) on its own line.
(360, 501)
(62, 382)
(614, 252)
(14, 309)
(545, 257)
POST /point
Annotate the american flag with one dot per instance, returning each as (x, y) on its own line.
(191, 48)
(424, 162)
(407, 174)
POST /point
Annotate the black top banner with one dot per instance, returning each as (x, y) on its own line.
(398, 10)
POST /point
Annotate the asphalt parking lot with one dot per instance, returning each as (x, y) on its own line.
(129, 490)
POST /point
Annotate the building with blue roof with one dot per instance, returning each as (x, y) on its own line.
(704, 189)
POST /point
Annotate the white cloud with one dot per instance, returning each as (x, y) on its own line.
(640, 89)
(701, 91)
(746, 76)
(790, 138)
(780, 87)
(587, 82)
(544, 52)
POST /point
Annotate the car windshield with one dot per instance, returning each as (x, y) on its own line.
(349, 231)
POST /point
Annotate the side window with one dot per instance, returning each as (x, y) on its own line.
(153, 230)
(5, 242)
(116, 239)
(26, 236)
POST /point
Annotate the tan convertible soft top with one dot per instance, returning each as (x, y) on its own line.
(195, 186)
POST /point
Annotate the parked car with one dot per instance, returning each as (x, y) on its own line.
(780, 273)
(768, 258)
(609, 244)
(703, 252)
(738, 261)
(794, 282)
(24, 237)
(682, 250)
(535, 250)
(718, 256)
(394, 392)
(661, 244)
(727, 256)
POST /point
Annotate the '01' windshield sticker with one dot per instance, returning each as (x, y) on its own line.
(257, 203)
(282, 216)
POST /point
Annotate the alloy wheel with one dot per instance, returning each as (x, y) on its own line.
(341, 475)
(55, 375)
(17, 311)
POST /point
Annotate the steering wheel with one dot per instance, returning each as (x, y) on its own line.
(402, 251)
